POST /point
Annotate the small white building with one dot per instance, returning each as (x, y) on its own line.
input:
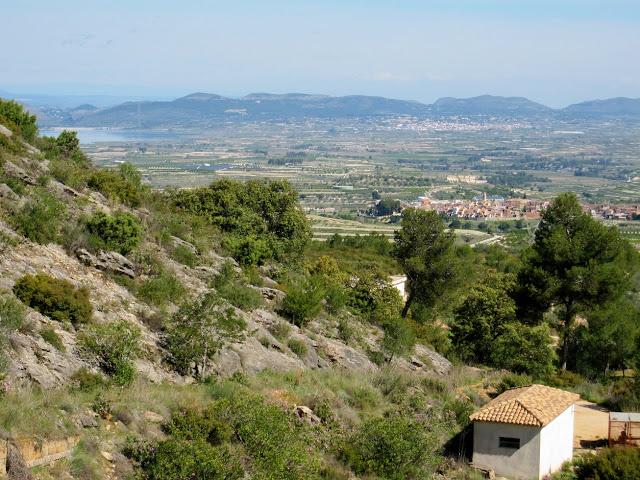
(526, 432)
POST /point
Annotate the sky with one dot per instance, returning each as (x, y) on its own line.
(553, 52)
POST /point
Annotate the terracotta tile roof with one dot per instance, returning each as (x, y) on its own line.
(534, 405)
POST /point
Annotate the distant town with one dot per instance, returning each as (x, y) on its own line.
(486, 207)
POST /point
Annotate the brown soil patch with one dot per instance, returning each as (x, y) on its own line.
(591, 425)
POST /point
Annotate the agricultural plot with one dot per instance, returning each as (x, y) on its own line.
(343, 164)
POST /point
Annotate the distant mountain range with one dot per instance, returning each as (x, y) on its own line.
(206, 109)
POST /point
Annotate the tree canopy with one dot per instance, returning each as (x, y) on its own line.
(263, 218)
(576, 264)
(425, 250)
(12, 114)
(487, 331)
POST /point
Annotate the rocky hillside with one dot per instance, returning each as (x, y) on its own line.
(49, 351)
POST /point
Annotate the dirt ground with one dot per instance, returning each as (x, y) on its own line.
(591, 425)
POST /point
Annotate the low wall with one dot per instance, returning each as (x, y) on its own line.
(39, 452)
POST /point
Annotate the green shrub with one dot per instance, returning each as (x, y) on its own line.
(13, 111)
(49, 335)
(184, 255)
(336, 298)
(345, 329)
(232, 288)
(512, 380)
(262, 219)
(55, 298)
(161, 289)
(297, 346)
(40, 219)
(610, 463)
(176, 458)
(302, 302)
(563, 379)
(86, 380)
(67, 162)
(393, 447)
(114, 345)
(243, 297)
(282, 330)
(199, 329)
(114, 186)
(14, 184)
(12, 316)
(120, 232)
(278, 445)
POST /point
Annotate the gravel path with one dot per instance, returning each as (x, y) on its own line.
(591, 425)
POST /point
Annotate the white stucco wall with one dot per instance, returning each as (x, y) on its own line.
(523, 463)
(541, 450)
(557, 442)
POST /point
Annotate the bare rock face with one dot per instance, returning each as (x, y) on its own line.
(305, 413)
(344, 356)
(36, 360)
(107, 261)
(254, 358)
(6, 192)
(64, 189)
(226, 363)
(438, 363)
(5, 131)
(178, 242)
(17, 172)
(271, 293)
(98, 198)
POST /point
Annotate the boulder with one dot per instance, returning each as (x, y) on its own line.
(337, 353)
(87, 421)
(6, 192)
(15, 171)
(107, 261)
(178, 242)
(5, 131)
(305, 413)
(255, 358)
(271, 293)
(438, 363)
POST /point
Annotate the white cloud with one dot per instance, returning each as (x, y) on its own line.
(388, 76)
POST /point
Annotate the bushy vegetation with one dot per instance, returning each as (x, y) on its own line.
(115, 187)
(40, 219)
(115, 345)
(17, 120)
(608, 464)
(119, 232)
(232, 287)
(491, 306)
(12, 319)
(49, 335)
(199, 329)
(55, 298)
(395, 447)
(262, 220)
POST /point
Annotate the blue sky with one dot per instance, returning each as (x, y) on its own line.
(555, 52)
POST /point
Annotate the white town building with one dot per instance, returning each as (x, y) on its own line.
(526, 432)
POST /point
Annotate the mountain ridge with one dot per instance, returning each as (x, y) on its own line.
(202, 108)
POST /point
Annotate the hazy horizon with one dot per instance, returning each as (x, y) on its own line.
(555, 53)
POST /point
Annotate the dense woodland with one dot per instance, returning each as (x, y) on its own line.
(563, 311)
